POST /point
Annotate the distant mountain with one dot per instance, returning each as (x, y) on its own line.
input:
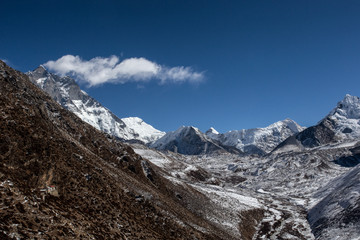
(68, 93)
(251, 141)
(189, 141)
(212, 133)
(341, 124)
(257, 140)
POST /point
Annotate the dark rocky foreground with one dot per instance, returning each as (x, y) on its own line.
(60, 178)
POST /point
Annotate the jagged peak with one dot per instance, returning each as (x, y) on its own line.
(349, 107)
(180, 131)
(349, 100)
(294, 126)
(186, 128)
(43, 67)
(39, 72)
(348, 96)
(212, 131)
(40, 68)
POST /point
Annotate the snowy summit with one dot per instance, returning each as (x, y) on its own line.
(346, 117)
(68, 93)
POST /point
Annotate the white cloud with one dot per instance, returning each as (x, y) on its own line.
(102, 70)
(180, 74)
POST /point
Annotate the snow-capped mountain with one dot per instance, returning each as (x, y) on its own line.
(68, 93)
(341, 124)
(346, 117)
(190, 141)
(257, 140)
(212, 133)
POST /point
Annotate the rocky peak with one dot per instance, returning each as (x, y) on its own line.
(349, 108)
(187, 140)
(40, 71)
(346, 118)
(211, 131)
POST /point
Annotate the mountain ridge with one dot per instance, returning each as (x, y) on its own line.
(258, 140)
(341, 124)
(67, 92)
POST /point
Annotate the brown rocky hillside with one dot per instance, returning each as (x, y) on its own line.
(60, 178)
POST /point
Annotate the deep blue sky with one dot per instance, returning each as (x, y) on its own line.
(264, 61)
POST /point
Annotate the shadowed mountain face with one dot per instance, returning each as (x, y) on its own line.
(62, 178)
(190, 141)
(317, 135)
(350, 161)
(322, 133)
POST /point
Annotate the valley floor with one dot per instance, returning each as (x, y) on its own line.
(259, 197)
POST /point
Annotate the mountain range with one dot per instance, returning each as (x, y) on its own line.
(258, 140)
(185, 140)
(71, 169)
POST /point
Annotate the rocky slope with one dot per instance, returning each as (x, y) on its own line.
(62, 178)
(257, 140)
(68, 93)
(337, 214)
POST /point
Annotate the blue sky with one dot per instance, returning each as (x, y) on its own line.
(260, 61)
